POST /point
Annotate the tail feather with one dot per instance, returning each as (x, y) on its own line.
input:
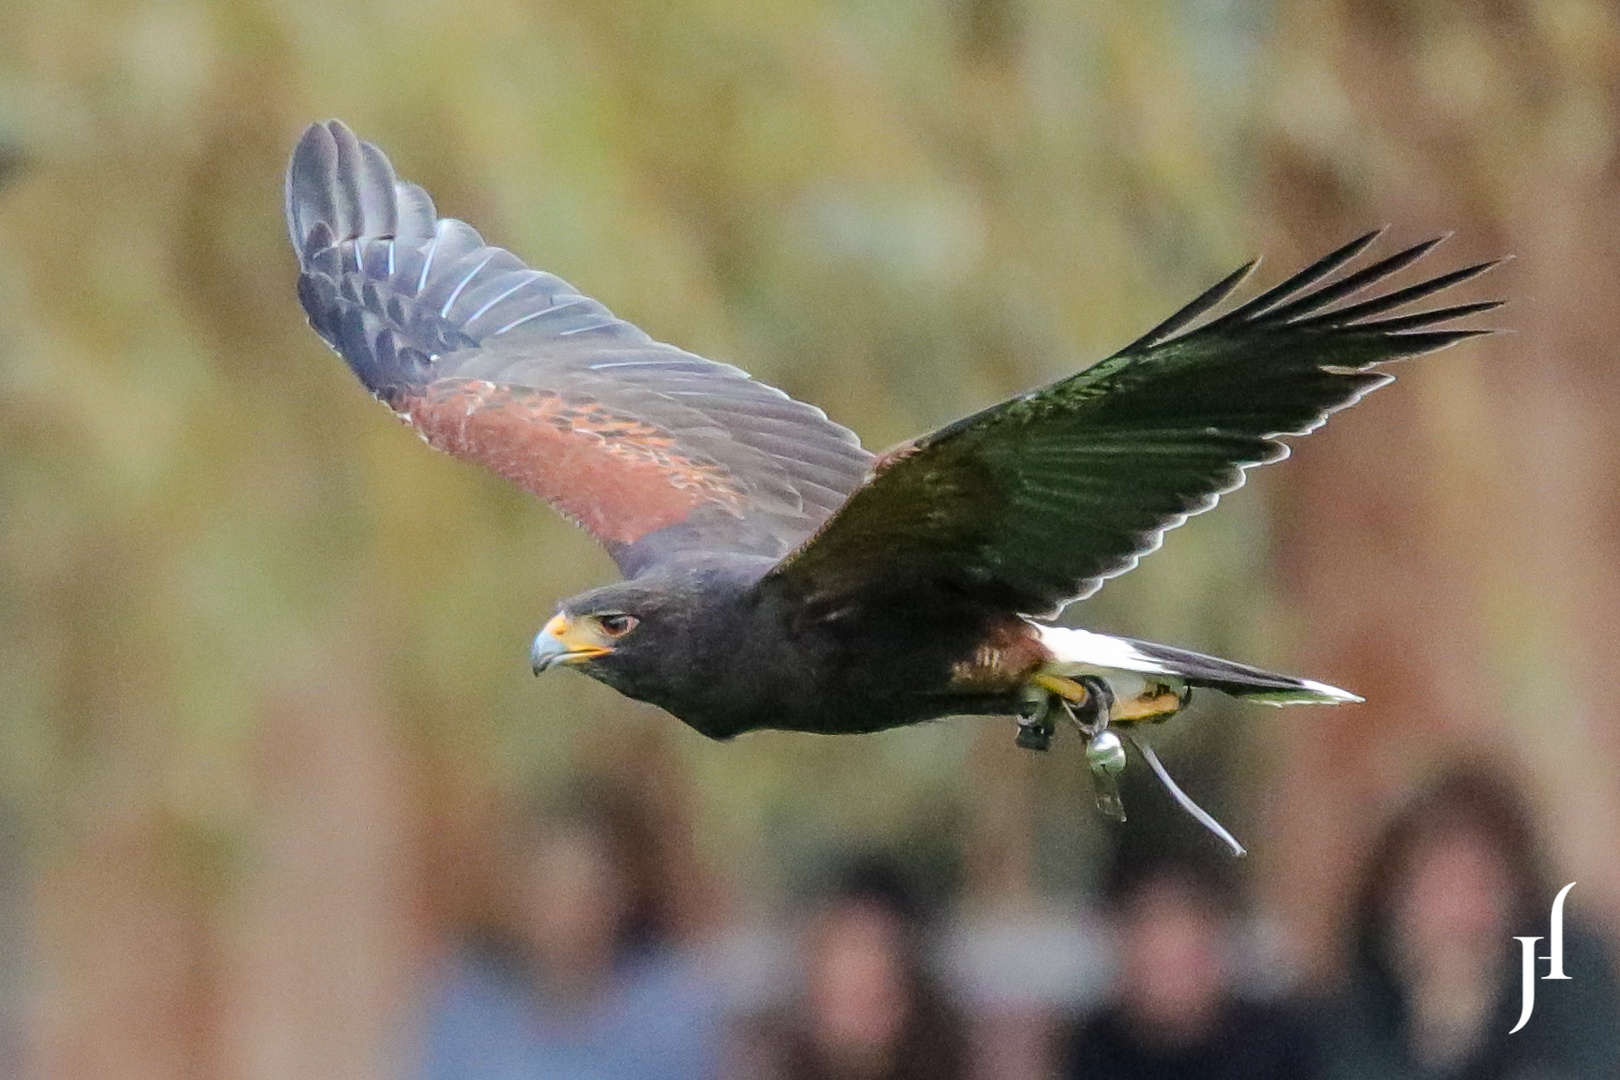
(1081, 652)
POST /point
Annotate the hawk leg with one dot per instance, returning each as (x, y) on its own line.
(1035, 724)
(1089, 702)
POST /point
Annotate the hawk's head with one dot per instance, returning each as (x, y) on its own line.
(603, 629)
(654, 638)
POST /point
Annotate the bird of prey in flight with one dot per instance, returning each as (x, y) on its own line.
(777, 574)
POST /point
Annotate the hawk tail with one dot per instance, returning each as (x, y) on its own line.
(1081, 652)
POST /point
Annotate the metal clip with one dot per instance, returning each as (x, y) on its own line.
(1035, 726)
(1105, 754)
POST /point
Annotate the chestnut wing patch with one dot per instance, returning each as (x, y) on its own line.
(657, 452)
(617, 476)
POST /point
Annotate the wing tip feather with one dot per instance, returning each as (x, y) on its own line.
(1294, 305)
(395, 290)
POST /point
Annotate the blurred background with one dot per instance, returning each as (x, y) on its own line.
(271, 757)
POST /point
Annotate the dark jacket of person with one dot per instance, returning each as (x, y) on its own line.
(1249, 1042)
(1573, 1033)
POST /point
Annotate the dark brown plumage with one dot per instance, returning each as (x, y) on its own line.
(778, 576)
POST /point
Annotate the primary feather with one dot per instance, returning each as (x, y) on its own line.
(654, 450)
(1035, 502)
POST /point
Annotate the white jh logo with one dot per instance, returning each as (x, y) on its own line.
(1554, 957)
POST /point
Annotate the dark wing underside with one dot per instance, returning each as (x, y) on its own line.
(1038, 500)
(655, 451)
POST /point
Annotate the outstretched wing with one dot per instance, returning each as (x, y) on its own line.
(655, 451)
(1038, 500)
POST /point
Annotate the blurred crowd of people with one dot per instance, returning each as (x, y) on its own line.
(585, 970)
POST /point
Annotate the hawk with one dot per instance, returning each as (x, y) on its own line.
(777, 574)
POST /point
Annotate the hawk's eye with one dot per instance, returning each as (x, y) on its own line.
(617, 624)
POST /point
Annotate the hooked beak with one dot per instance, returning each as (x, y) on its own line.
(560, 642)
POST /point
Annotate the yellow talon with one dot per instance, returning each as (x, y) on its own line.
(1155, 702)
(1154, 705)
(1067, 689)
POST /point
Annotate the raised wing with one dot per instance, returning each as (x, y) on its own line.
(1036, 501)
(655, 451)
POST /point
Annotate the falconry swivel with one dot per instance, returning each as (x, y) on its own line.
(776, 574)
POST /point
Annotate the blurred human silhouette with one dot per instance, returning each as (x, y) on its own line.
(867, 1007)
(583, 979)
(1435, 983)
(1174, 1015)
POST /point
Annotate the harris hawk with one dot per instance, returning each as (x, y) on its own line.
(778, 575)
